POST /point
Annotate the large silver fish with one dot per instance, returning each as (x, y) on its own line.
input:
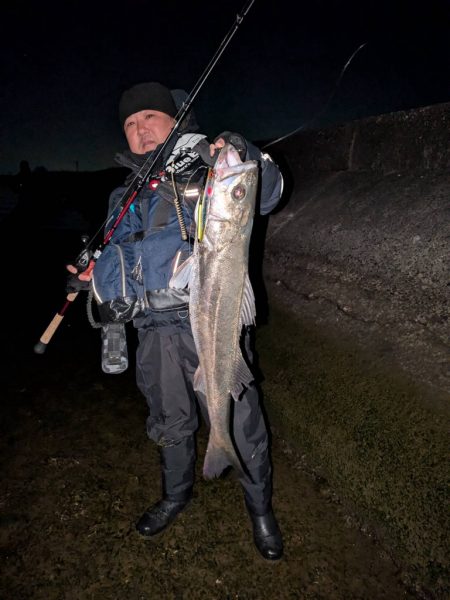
(222, 300)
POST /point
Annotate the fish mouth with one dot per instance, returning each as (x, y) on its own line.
(232, 156)
(228, 157)
(227, 171)
(229, 163)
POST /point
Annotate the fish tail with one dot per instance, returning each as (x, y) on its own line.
(219, 457)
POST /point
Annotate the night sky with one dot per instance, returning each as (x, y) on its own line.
(65, 64)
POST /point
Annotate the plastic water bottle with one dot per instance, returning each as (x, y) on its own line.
(114, 348)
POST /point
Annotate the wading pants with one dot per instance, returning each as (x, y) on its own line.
(166, 361)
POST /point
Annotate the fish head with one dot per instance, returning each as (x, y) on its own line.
(235, 186)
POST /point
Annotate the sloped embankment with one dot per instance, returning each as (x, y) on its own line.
(357, 352)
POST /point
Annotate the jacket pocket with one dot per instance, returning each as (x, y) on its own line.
(115, 283)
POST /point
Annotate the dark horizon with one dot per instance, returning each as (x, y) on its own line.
(62, 81)
(261, 143)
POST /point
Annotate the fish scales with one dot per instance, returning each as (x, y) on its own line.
(222, 300)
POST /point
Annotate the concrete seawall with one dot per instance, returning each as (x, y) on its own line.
(358, 256)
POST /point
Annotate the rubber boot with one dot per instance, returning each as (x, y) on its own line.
(267, 535)
(258, 493)
(178, 474)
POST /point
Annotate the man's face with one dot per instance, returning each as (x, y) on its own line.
(147, 129)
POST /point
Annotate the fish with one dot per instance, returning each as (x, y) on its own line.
(222, 301)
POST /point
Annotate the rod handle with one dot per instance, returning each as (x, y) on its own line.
(45, 338)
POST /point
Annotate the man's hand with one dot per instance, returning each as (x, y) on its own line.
(77, 282)
(218, 144)
(228, 137)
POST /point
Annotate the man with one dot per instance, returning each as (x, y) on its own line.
(131, 280)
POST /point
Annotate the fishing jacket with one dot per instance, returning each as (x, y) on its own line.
(133, 272)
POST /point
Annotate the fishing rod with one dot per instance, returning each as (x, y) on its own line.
(326, 104)
(87, 258)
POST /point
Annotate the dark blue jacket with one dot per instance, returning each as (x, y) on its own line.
(133, 272)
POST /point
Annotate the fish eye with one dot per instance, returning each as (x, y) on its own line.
(238, 192)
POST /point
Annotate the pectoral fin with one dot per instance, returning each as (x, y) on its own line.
(182, 275)
(248, 307)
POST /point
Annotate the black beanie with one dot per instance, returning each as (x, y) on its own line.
(146, 96)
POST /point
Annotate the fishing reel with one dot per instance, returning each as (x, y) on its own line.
(83, 259)
(73, 283)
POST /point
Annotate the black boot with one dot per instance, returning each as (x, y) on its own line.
(178, 473)
(159, 516)
(257, 494)
(267, 535)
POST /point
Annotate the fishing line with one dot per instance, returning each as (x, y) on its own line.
(327, 103)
